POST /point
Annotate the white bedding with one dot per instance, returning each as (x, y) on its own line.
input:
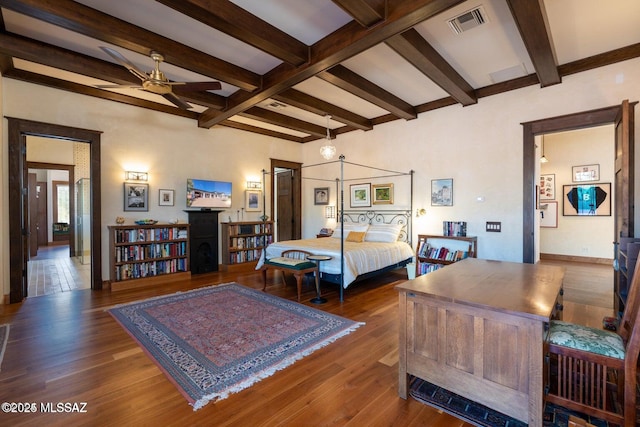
(360, 258)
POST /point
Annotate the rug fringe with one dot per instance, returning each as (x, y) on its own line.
(269, 372)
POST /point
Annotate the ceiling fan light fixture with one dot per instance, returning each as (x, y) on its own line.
(328, 150)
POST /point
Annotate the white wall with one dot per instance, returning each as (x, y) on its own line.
(479, 146)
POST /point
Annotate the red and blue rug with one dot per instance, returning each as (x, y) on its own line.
(219, 340)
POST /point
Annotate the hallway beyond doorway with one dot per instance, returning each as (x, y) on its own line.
(53, 271)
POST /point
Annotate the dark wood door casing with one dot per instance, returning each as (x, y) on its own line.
(296, 188)
(582, 120)
(18, 129)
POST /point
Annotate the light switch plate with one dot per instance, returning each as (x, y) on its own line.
(494, 226)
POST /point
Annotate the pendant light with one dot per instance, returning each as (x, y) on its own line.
(328, 150)
(543, 159)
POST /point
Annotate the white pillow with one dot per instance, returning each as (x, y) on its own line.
(349, 226)
(383, 233)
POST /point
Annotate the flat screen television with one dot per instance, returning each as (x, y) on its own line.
(206, 194)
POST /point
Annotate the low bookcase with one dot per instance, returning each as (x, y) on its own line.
(146, 255)
(434, 252)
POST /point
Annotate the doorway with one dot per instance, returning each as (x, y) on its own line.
(621, 116)
(286, 199)
(18, 131)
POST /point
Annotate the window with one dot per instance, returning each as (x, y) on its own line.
(61, 201)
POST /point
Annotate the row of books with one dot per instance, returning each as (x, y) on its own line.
(426, 250)
(150, 251)
(244, 229)
(150, 234)
(150, 269)
(251, 242)
(454, 228)
(425, 267)
(244, 256)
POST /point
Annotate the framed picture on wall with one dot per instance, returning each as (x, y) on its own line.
(165, 197)
(382, 194)
(549, 214)
(136, 197)
(442, 192)
(360, 195)
(547, 188)
(585, 173)
(321, 196)
(253, 200)
(587, 199)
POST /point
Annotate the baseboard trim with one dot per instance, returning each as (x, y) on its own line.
(574, 258)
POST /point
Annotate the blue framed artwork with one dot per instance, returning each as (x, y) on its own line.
(587, 200)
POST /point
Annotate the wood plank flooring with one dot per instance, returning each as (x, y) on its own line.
(64, 347)
(53, 271)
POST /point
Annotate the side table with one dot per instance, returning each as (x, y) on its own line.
(318, 259)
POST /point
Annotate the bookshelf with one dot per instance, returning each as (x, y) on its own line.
(243, 242)
(628, 250)
(434, 252)
(147, 255)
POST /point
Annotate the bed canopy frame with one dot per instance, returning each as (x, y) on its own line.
(360, 215)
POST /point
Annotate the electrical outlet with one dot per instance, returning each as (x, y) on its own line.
(494, 226)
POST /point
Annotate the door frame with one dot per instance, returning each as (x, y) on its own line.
(297, 193)
(18, 129)
(581, 120)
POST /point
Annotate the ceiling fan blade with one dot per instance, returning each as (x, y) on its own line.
(200, 86)
(176, 101)
(125, 62)
(118, 86)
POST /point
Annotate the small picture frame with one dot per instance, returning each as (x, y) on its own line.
(382, 194)
(585, 173)
(321, 196)
(547, 189)
(549, 214)
(253, 200)
(442, 192)
(165, 197)
(136, 197)
(360, 195)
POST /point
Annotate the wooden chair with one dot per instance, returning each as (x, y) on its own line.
(586, 360)
(294, 261)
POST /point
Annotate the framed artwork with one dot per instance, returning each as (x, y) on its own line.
(587, 199)
(360, 195)
(253, 200)
(165, 197)
(321, 196)
(549, 214)
(136, 197)
(442, 192)
(382, 194)
(585, 173)
(547, 189)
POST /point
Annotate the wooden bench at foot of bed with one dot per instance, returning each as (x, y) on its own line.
(293, 261)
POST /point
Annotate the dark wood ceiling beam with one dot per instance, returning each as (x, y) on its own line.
(365, 12)
(271, 117)
(531, 20)
(600, 60)
(6, 63)
(419, 53)
(346, 79)
(318, 106)
(93, 23)
(261, 131)
(233, 20)
(55, 83)
(340, 45)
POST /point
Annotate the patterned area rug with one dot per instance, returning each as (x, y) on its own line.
(479, 415)
(220, 340)
(4, 337)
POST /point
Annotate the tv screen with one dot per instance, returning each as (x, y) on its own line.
(202, 193)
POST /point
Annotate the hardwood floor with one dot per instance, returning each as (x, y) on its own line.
(64, 347)
(53, 271)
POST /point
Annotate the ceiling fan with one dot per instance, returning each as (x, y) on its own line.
(155, 81)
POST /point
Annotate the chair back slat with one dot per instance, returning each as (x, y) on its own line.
(631, 309)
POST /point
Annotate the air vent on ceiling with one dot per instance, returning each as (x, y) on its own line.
(468, 20)
(276, 104)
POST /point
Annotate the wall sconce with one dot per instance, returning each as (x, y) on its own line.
(136, 176)
(421, 212)
(254, 185)
(329, 211)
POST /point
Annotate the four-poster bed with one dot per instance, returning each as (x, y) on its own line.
(366, 242)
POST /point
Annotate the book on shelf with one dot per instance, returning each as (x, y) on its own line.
(454, 228)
